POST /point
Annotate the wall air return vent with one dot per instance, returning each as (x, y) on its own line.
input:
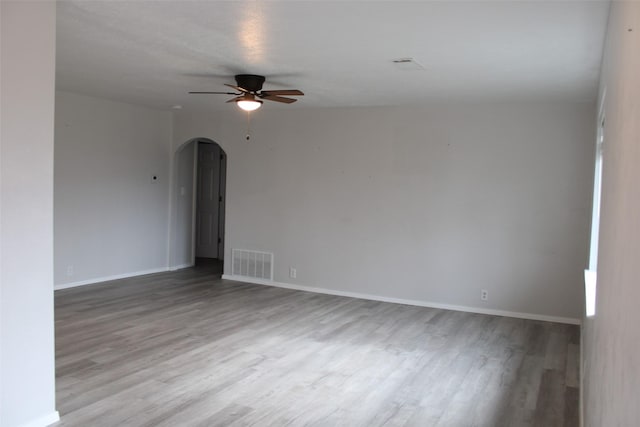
(252, 264)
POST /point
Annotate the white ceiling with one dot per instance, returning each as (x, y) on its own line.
(339, 53)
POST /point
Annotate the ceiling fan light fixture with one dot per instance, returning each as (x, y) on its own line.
(248, 104)
(249, 88)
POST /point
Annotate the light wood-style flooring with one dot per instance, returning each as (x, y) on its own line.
(189, 349)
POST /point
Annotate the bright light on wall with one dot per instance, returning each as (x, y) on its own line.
(590, 292)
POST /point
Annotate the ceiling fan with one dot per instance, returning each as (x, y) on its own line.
(249, 93)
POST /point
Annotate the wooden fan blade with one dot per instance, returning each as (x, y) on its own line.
(241, 89)
(237, 98)
(279, 99)
(282, 92)
(217, 93)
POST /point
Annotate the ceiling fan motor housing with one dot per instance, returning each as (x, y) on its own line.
(250, 82)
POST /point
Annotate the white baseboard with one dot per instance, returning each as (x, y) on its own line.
(108, 278)
(43, 421)
(419, 303)
(180, 267)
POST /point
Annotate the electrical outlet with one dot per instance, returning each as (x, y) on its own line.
(484, 295)
(70, 270)
(293, 272)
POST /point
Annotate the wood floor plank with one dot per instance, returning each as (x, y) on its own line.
(187, 348)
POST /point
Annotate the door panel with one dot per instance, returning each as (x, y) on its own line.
(221, 205)
(207, 215)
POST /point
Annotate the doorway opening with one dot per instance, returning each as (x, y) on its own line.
(200, 199)
(209, 209)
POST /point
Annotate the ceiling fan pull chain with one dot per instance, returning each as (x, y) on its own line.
(248, 125)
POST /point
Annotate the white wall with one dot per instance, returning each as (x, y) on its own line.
(27, 386)
(612, 337)
(430, 204)
(111, 218)
(182, 244)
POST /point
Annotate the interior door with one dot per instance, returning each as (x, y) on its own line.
(207, 204)
(221, 205)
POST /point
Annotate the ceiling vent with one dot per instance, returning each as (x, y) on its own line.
(407, 64)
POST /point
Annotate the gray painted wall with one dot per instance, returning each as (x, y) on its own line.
(428, 204)
(182, 245)
(27, 387)
(612, 337)
(111, 217)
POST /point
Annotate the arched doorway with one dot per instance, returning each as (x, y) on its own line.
(200, 198)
